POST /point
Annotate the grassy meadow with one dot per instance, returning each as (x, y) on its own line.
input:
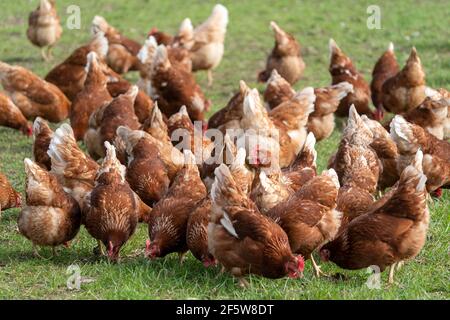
(423, 24)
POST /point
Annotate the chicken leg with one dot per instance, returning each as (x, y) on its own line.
(182, 256)
(99, 249)
(391, 273)
(210, 77)
(242, 283)
(44, 55)
(49, 52)
(316, 268)
(36, 252)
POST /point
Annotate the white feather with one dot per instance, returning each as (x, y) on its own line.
(228, 225)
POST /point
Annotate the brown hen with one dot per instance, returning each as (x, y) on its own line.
(342, 69)
(34, 96)
(168, 221)
(44, 27)
(392, 232)
(385, 68)
(42, 136)
(111, 213)
(285, 57)
(12, 117)
(242, 239)
(309, 217)
(51, 217)
(405, 90)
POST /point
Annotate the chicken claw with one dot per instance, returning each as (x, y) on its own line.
(318, 272)
(36, 253)
(243, 283)
(210, 78)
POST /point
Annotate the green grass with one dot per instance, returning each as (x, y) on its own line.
(406, 23)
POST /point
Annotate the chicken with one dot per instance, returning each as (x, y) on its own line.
(69, 76)
(284, 128)
(242, 239)
(357, 166)
(42, 136)
(93, 96)
(44, 27)
(104, 122)
(291, 118)
(321, 120)
(270, 189)
(122, 51)
(156, 125)
(206, 43)
(146, 55)
(309, 217)
(74, 170)
(436, 161)
(230, 116)
(385, 68)
(293, 115)
(405, 90)
(12, 117)
(176, 87)
(160, 36)
(432, 113)
(304, 167)
(197, 233)
(278, 90)
(143, 104)
(111, 214)
(192, 136)
(261, 137)
(271, 184)
(51, 217)
(387, 152)
(178, 49)
(169, 218)
(285, 57)
(32, 95)
(446, 125)
(176, 55)
(392, 232)
(146, 172)
(230, 156)
(342, 69)
(9, 198)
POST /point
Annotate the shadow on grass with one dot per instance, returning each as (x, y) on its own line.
(20, 60)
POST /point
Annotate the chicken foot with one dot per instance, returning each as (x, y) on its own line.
(182, 256)
(210, 77)
(316, 268)
(99, 249)
(36, 253)
(391, 273)
(44, 55)
(399, 265)
(49, 52)
(243, 283)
